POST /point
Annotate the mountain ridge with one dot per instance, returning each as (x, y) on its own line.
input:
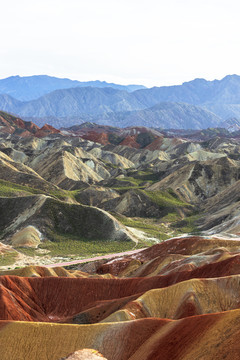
(27, 88)
(80, 104)
(162, 115)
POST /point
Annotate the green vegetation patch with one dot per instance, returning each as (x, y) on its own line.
(124, 184)
(9, 189)
(165, 198)
(65, 245)
(188, 224)
(152, 228)
(147, 175)
(29, 251)
(135, 180)
(8, 258)
(171, 225)
(73, 247)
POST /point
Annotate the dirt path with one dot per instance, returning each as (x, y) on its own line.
(110, 256)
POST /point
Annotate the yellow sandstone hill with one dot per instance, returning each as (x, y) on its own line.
(211, 337)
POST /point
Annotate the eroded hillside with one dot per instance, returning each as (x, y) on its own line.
(168, 204)
(96, 189)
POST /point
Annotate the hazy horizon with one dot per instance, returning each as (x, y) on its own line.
(117, 83)
(148, 42)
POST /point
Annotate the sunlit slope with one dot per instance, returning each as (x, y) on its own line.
(40, 271)
(213, 336)
(89, 300)
(187, 298)
(199, 255)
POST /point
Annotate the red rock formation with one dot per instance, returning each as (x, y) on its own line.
(99, 137)
(30, 126)
(181, 247)
(60, 299)
(156, 144)
(130, 141)
(19, 127)
(46, 130)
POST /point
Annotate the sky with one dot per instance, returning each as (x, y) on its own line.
(149, 42)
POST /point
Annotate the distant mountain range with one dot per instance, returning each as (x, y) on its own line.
(196, 104)
(164, 115)
(27, 88)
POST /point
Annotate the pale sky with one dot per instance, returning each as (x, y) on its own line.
(150, 42)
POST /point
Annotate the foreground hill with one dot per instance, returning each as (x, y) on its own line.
(194, 338)
(184, 306)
